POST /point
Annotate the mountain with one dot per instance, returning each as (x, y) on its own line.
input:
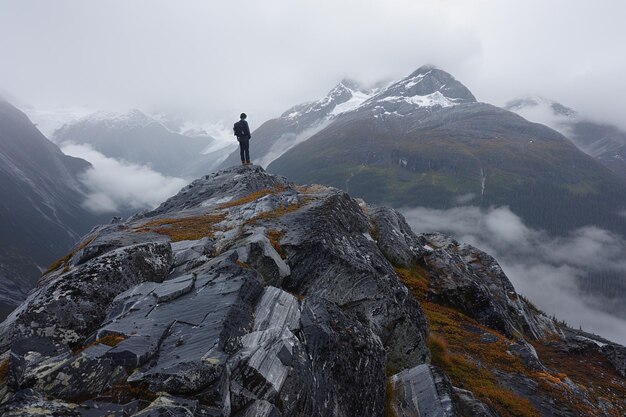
(602, 141)
(276, 136)
(40, 213)
(141, 139)
(247, 295)
(426, 141)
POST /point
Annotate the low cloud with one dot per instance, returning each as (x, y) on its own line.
(549, 270)
(115, 186)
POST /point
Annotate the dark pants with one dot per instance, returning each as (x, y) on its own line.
(244, 149)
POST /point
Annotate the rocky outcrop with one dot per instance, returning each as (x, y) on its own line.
(472, 281)
(282, 304)
(245, 295)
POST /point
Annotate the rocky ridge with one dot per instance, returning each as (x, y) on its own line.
(247, 295)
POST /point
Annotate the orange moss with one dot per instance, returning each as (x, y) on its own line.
(277, 189)
(111, 340)
(4, 369)
(125, 392)
(185, 228)
(247, 199)
(472, 361)
(588, 369)
(65, 259)
(415, 279)
(243, 264)
(274, 214)
(439, 349)
(374, 231)
(274, 236)
(389, 410)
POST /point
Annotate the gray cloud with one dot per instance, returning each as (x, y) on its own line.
(116, 185)
(218, 58)
(545, 268)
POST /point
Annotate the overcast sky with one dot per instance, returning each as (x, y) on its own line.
(224, 57)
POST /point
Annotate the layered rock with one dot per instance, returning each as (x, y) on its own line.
(245, 295)
(281, 304)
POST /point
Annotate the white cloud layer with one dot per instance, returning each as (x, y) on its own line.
(545, 268)
(221, 58)
(119, 186)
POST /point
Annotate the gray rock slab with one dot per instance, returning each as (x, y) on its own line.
(277, 309)
(194, 331)
(347, 359)
(71, 307)
(421, 391)
(259, 408)
(394, 237)
(30, 403)
(257, 251)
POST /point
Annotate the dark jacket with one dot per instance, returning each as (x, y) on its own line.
(242, 126)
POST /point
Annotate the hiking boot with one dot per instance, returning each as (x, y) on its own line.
(243, 163)
(248, 163)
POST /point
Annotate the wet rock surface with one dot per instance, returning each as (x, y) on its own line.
(473, 282)
(245, 295)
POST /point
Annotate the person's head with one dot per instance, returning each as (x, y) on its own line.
(242, 116)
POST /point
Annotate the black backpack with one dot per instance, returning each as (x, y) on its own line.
(238, 129)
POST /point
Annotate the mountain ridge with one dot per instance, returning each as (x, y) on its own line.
(248, 295)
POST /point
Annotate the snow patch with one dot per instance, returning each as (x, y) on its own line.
(357, 99)
(415, 80)
(431, 100)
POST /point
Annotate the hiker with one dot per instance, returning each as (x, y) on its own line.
(242, 131)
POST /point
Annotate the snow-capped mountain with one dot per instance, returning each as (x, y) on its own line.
(276, 136)
(138, 138)
(425, 140)
(605, 142)
(426, 88)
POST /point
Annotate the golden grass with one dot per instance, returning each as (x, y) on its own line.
(4, 369)
(277, 189)
(111, 340)
(457, 346)
(247, 199)
(125, 392)
(389, 411)
(588, 369)
(243, 264)
(65, 259)
(274, 236)
(185, 228)
(415, 279)
(374, 231)
(274, 214)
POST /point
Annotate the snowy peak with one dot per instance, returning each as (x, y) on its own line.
(537, 102)
(345, 96)
(429, 86)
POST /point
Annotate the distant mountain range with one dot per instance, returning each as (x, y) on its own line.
(604, 142)
(41, 215)
(425, 141)
(163, 145)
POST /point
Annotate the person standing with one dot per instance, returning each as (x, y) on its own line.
(242, 131)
